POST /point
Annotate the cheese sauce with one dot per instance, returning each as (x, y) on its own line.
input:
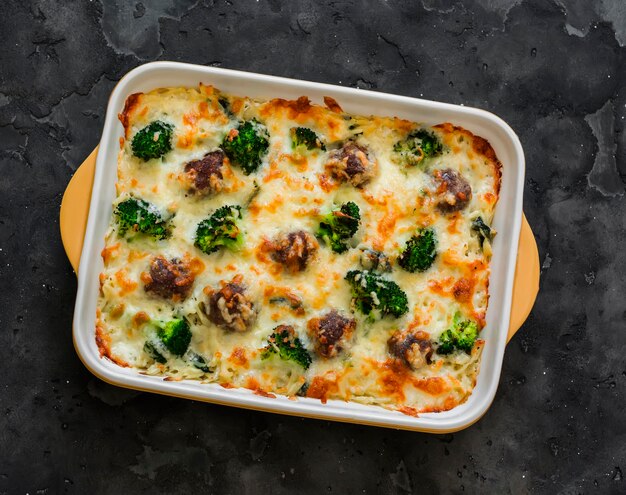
(290, 191)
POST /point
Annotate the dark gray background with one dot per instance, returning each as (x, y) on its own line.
(555, 70)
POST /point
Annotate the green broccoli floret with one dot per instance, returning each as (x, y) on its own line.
(221, 229)
(175, 335)
(461, 336)
(178, 336)
(417, 147)
(483, 230)
(376, 296)
(246, 145)
(419, 252)
(153, 141)
(138, 215)
(446, 342)
(339, 226)
(303, 136)
(468, 332)
(283, 341)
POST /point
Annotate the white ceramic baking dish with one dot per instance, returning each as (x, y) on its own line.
(507, 222)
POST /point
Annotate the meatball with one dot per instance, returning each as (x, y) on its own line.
(453, 190)
(230, 308)
(294, 250)
(169, 279)
(352, 163)
(411, 348)
(330, 332)
(205, 174)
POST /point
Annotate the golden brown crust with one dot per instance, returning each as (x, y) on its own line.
(294, 107)
(409, 411)
(103, 341)
(253, 384)
(321, 388)
(394, 376)
(132, 102)
(332, 104)
(463, 290)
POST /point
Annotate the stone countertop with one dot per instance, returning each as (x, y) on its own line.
(554, 70)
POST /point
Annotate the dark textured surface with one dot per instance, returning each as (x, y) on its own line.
(555, 70)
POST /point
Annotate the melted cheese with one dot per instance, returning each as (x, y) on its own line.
(293, 191)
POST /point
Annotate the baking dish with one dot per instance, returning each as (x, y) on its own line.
(507, 221)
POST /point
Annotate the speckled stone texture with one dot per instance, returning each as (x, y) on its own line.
(554, 69)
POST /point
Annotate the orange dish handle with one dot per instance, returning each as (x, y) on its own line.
(75, 208)
(526, 284)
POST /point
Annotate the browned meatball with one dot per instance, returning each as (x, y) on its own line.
(169, 279)
(414, 349)
(330, 332)
(205, 174)
(293, 250)
(453, 190)
(352, 163)
(230, 308)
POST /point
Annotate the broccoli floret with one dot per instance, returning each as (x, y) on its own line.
(468, 332)
(221, 229)
(446, 342)
(339, 226)
(461, 336)
(417, 147)
(419, 252)
(303, 136)
(375, 296)
(283, 341)
(156, 348)
(483, 230)
(138, 215)
(246, 145)
(175, 335)
(153, 141)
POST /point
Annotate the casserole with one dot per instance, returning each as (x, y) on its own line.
(507, 222)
